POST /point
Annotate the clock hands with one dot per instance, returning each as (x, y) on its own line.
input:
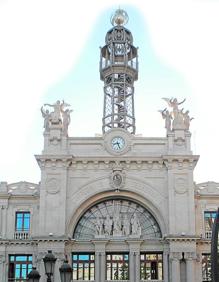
(117, 143)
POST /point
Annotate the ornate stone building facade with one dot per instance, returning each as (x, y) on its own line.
(121, 207)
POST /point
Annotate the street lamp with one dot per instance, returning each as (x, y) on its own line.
(49, 263)
(33, 276)
(65, 272)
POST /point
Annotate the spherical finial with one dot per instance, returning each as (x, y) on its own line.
(119, 18)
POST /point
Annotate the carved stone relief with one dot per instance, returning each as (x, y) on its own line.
(181, 185)
(53, 185)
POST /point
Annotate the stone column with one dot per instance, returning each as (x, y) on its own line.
(134, 260)
(60, 258)
(166, 265)
(190, 269)
(175, 266)
(132, 266)
(97, 267)
(103, 266)
(100, 260)
(40, 265)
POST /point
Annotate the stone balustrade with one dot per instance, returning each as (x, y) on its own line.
(21, 235)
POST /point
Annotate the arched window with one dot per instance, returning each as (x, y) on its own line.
(117, 217)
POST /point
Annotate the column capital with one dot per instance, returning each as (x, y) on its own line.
(175, 256)
(100, 245)
(134, 246)
(190, 256)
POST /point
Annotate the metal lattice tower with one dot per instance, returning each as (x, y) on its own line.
(119, 70)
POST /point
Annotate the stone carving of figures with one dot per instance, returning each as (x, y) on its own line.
(178, 122)
(47, 118)
(117, 223)
(66, 119)
(58, 107)
(99, 226)
(136, 228)
(167, 116)
(126, 225)
(187, 120)
(108, 225)
(173, 103)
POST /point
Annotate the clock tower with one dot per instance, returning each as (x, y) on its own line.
(119, 70)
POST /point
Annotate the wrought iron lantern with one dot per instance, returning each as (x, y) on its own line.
(65, 272)
(49, 263)
(33, 276)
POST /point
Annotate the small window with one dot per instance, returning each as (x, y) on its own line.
(22, 222)
(206, 267)
(209, 217)
(19, 267)
(117, 266)
(151, 266)
(83, 266)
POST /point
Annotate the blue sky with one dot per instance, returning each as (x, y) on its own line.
(50, 50)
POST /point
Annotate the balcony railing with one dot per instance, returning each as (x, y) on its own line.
(17, 280)
(21, 235)
(130, 281)
(208, 234)
(154, 280)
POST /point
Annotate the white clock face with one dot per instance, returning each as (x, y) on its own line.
(118, 144)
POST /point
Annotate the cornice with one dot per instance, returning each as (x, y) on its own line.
(61, 161)
(187, 238)
(33, 241)
(180, 161)
(122, 162)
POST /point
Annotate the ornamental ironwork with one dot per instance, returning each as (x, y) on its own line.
(119, 70)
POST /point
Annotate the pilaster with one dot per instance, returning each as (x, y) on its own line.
(181, 193)
(54, 171)
(166, 264)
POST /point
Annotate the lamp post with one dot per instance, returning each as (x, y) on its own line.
(49, 263)
(33, 276)
(65, 272)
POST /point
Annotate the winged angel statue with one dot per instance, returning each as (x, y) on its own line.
(176, 119)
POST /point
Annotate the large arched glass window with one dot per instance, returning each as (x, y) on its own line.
(116, 218)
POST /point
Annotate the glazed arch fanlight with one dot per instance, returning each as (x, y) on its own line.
(120, 212)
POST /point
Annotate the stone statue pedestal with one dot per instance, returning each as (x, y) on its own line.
(134, 236)
(117, 233)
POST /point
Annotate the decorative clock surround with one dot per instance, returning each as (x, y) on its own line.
(117, 141)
